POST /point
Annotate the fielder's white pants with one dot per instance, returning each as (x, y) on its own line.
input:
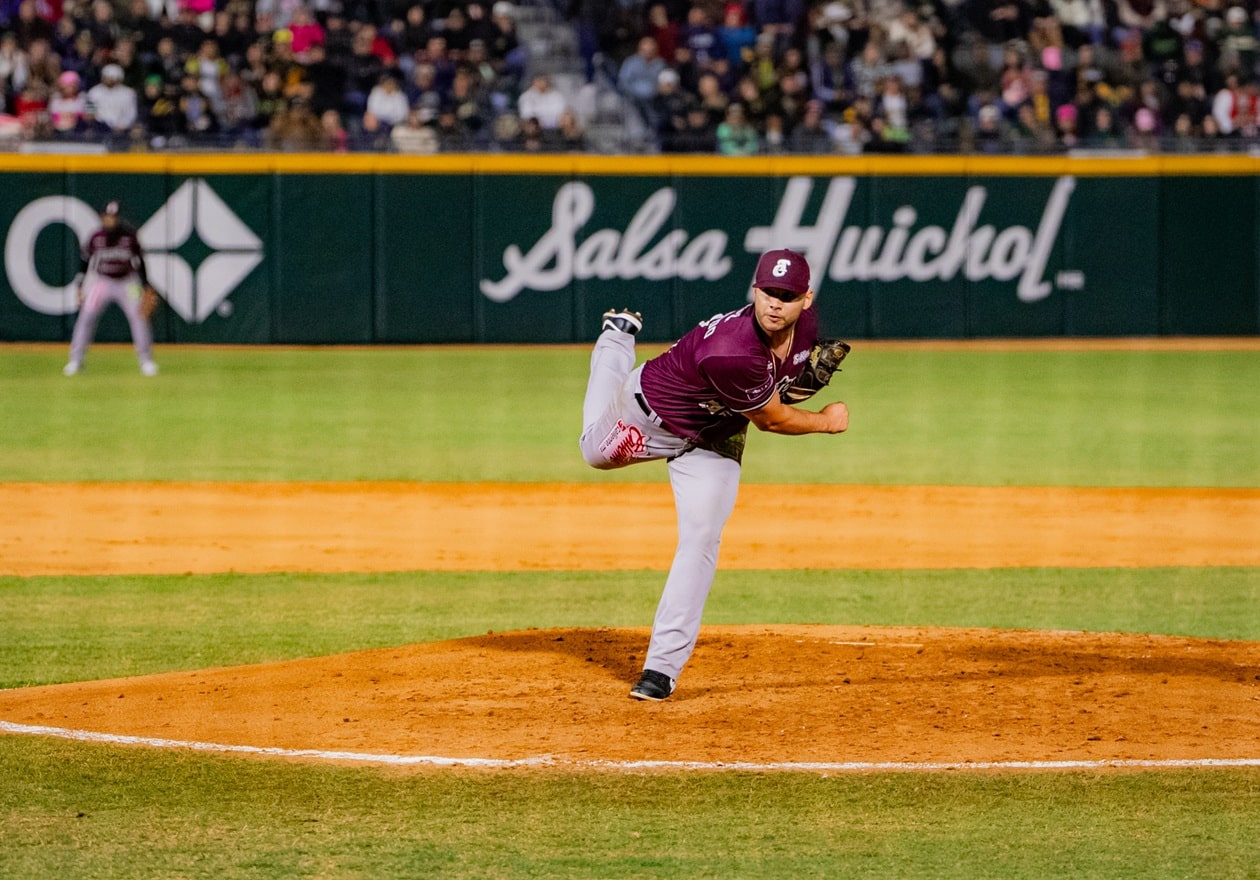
(98, 292)
(616, 433)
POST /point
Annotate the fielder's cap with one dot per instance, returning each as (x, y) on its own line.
(112, 71)
(782, 269)
(112, 208)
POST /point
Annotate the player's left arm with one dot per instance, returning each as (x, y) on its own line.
(137, 260)
(777, 417)
(149, 299)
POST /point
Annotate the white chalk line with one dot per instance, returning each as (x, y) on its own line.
(561, 763)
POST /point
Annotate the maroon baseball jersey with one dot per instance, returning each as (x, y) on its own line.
(115, 253)
(703, 386)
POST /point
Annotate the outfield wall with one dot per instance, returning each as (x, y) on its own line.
(374, 248)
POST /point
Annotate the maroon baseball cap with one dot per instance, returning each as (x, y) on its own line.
(782, 269)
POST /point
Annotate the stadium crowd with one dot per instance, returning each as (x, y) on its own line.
(735, 77)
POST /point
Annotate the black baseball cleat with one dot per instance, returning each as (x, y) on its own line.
(653, 686)
(622, 320)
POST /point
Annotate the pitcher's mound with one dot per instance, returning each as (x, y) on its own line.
(762, 694)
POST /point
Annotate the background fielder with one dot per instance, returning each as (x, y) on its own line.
(113, 271)
(691, 406)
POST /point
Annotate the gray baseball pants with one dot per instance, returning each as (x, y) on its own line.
(618, 432)
(98, 292)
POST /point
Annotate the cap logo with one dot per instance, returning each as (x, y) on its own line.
(780, 268)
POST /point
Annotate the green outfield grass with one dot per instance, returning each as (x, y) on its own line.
(1095, 418)
(935, 417)
(65, 806)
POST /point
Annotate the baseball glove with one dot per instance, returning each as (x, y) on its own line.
(824, 361)
(149, 301)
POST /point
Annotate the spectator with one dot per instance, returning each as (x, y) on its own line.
(1080, 21)
(1000, 21)
(271, 100)
(569, 136)
(231, 41)
(1226, 104)
(471, 107)
(505, 46)
(161, 114)
(990, 132)
(102, 24)
(166, 62)
(295, 129)
(134, 70)
(712, 98)
(363, 72)
(307, 32)
(423, 92)
(416, 30)
(664, 30)
(238, 105)
(1105, 131)
(826, 76)
(208, 69)
(338, 39)
(669, 105)
(697, 134)
(452, 134)
(200, 118)
(1032, 134)
(1237, 42)
(144, 28)
(334, 132)
(30, 27)
(542, 102)
(114, 104)
(386, 106)
(738, 36)
(700, 44)
(530, 137)
(894, 109)
(66, 108)
(14, 65)
(639, 74)
(735, 137)
(811, 136)
(413, 136)
(911, 30)
(868, 70)
(326, 80)
(1065, 120)
(455, 32)
(763, 66)
(31, 109)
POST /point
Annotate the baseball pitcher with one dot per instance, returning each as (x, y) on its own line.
(691, 406)
(113, 272)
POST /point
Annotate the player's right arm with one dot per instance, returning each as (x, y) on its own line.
(777, 417)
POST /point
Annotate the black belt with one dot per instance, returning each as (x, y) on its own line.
(647, 410)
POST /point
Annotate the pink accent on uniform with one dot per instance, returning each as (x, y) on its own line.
(623, 443)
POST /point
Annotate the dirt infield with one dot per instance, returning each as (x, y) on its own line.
(752, 694)
(172, 528)
(781, 694)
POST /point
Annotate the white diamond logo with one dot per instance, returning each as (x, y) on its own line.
(196, 207)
